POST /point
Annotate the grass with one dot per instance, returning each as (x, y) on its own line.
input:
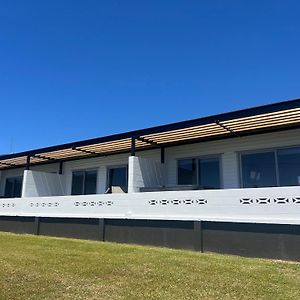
(34, 267)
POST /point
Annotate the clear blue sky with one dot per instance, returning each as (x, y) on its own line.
(72, 70)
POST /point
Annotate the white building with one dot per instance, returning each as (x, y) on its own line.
(227, 183)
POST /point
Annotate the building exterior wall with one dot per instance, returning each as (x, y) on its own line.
(49, 168)
(228, 149)
(101, 164)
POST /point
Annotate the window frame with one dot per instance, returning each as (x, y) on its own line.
(200, 157)
(257, 151)
(83, 187)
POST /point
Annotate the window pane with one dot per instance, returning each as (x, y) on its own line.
(118, 177)
(258, 170)
(9, 188)
(77, 183)
(209, 173)
(187, 171)
(289, 166)
(18, 186)
(90, 182)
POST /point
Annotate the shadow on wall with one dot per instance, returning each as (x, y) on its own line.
(42, 184)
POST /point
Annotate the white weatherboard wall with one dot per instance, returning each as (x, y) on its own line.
(102, 164)
(229, 150)
(143, 172)
(42, 184)
(51, 168)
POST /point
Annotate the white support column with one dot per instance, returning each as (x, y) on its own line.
(144, 172)
(134, 174)
(42, 184)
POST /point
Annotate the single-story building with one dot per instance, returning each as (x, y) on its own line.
(227, 183)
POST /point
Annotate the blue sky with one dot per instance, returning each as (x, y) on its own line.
(72, 70)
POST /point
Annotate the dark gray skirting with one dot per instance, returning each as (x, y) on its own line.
(246, 239)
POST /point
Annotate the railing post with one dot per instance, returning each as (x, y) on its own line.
(102, 230)
(198, 236)
(36, 225)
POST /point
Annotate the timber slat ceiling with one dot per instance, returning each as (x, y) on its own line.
(277, 116)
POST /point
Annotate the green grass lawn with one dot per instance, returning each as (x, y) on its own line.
(34, 267)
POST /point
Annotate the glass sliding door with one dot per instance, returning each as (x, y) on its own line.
(117, 179)
(187, 171)
(259, 170)
(279, 167)
(84, 182)
(289, 166)
(209, 173)
(13, 187)
(204, 172)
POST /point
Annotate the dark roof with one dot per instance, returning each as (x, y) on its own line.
(260, 119)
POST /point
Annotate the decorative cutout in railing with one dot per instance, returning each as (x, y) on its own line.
(246, 201)
(296, 200)
(281, 200)
(278, 200)
(8, 204)
(178, 202)
(44, 204)
(263, 200)
(201, 201)
(93, 203)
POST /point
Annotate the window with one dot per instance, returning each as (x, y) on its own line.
(271, 168)
(13, 187)
(289, 166)
(204, 172)
(84, 182)
(259, 170)
(117, 177)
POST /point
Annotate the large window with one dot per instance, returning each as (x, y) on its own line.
(204, 172)
(279, 167)
(258, 169)
(13, 187)
(84, 182)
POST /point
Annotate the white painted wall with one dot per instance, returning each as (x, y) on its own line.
(42, 184)
(144, 172)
